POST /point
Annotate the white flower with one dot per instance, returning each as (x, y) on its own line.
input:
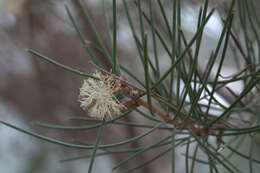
(98, 96)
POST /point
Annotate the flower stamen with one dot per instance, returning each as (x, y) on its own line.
(98, 96)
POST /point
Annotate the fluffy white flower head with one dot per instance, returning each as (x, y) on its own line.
(97, 96)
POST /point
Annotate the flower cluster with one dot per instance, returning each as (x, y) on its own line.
(97, 96)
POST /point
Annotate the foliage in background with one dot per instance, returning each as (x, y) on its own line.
(172, 107)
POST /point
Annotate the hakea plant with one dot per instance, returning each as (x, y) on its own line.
(98, 96)
(109, 96)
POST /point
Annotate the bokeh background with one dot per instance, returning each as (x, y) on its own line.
(33, 90)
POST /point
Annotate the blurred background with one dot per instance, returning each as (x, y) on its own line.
(33, 90)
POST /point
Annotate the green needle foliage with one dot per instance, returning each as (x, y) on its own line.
(172, 98)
